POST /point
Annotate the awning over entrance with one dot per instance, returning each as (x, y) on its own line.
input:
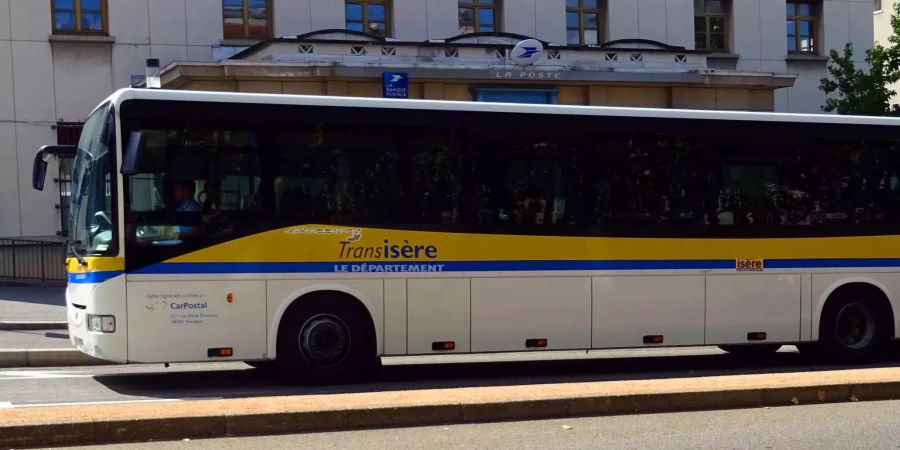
(480, 66)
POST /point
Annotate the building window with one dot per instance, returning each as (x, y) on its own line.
(247, 19)
(368, 16)
(877, 5)
(583, 22)
(478, 16)
(79, 16)
(710, 25)
(801, 27)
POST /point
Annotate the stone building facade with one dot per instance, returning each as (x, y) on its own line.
(59, 58)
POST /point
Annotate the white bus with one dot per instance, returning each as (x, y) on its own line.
(320, 233)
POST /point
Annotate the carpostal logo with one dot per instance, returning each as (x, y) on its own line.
(164, 305)
(188, 305)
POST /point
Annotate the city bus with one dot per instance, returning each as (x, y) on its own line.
(318, 234)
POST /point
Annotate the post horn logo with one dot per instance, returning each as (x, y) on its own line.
(158, 306)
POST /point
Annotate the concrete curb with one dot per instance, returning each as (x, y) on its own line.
(181, 420)
(20, 357)
(30, 325)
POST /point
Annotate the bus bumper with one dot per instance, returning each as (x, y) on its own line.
(106, 299)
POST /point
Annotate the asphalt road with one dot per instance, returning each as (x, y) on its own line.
(34, 339)
(32, 302)
(869, 425)
(155, 383)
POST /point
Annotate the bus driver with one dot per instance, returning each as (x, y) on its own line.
(184, 197)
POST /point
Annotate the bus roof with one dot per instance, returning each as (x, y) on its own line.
(445, 105)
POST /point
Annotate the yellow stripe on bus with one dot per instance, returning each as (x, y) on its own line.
(95, 264)
(332, 244)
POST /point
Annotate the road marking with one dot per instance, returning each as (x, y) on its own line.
(41, 374)
(5, 405)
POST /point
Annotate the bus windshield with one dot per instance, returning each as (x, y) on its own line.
(90, 216)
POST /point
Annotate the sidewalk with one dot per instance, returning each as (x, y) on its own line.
(32, 328)
(40, 348)
(175, 420)
(32, 303)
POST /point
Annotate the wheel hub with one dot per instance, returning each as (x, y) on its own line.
(324, 340)
(855, 325)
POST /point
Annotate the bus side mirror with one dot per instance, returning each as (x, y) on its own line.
(39, 168)
(132, 156)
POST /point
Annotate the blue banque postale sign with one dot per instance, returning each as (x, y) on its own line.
(396, 85)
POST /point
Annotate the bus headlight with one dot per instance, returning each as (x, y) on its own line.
(103, 324)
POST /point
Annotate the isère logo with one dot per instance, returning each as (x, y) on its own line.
(749, 265)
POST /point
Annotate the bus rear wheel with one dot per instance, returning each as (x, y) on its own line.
(751, 350)
(854, 328)
(326, 340)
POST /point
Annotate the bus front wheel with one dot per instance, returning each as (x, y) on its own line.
(326, 339)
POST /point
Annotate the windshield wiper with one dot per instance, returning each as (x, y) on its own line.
(78, 257)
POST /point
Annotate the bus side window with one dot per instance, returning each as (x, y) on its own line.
(146, 192)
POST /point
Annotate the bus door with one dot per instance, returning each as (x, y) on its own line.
(189, 191)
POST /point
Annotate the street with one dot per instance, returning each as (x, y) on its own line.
(842, 425)
(27, 303)
(155, 383)
(870, 425)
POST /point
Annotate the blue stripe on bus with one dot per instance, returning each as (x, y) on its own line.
(501, 266)
(93, 277)
(443, 266)
(170, 268)
(826, 263)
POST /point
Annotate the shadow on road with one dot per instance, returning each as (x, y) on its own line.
(39, 295)
(27, 303)
(42, 295)
(258, 382)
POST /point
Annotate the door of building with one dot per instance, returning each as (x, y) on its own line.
(507, 95)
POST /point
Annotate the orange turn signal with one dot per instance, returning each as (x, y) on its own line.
(530, 343)
(653, 339)
(219, 352)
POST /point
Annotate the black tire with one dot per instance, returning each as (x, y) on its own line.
(854, 328)
(751, 350)
(326, 339)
